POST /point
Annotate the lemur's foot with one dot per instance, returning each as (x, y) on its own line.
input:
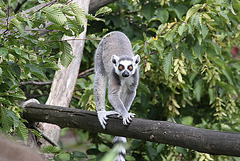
(127, 118)
(102, 117)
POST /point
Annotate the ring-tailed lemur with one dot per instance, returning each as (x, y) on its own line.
(115, 63)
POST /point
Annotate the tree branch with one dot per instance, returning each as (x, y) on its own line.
(202, 140)
(84, 73)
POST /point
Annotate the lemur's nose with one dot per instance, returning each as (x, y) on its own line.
(125, 74)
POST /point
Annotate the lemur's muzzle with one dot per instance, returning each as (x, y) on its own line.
(125, 74)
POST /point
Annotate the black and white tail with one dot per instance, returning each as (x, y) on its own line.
(119, 147)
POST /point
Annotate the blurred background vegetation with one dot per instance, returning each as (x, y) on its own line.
(190, 69)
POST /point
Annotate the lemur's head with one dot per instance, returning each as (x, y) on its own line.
(125, 66)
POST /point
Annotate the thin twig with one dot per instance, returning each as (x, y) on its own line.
(83, 74)
(69, 2)
(35, 83)
(45, 136)
(7, 19)
(71, 40)
(19, 5)
(48, 4)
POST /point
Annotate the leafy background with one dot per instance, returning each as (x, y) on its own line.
(189, 68)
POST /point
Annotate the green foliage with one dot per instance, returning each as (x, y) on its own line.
(27, 54)
(55, 15)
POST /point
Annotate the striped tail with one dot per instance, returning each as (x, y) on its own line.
(119, 147)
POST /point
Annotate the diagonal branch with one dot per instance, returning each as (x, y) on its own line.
(202, 140)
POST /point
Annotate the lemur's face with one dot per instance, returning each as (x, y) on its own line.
(126, 66)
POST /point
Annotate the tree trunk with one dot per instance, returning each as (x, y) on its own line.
(96, 4)
(64, 81)
(202, 140)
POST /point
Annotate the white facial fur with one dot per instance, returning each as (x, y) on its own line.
(125, 70)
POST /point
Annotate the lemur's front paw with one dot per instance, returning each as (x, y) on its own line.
(127, 118)
(102, 117)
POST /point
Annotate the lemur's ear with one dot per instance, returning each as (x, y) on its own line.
(136, 59)
(115, 59)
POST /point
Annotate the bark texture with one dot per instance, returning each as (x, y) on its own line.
(202, 140)
(64, 80)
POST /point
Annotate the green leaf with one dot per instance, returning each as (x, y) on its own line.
(224, 16)
(14, 117)
(162, 14)
(85, 97)
(191, 30)
(74, 26)
(66, 56)
(148, 11)
(179, 10)
(160, 147)
(67, 10)
(103, 10)
(167, 63)
(181, 150)
(197, 51)
(3, 51)
(18, 95)
(55, 15)
(152, 152)
(193, 10)
(228, 74)
(91, 17)
(50, 149)
(2, 14)
(189, 55)
(169, 36)
(6, 121)
(35, 70)
(36, 133)
(198, 88)
(19, 53)
(182, 28)
(227, 87)
(214, 46)
(50, 65)
(212, 96)
(15, 23)
(187, 120)
(4, 101)
(204, 31)
(78, 154)
(80, 14)
(22, 131)
(56, 27)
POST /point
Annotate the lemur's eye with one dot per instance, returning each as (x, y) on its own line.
(120, 67)
(130, 67)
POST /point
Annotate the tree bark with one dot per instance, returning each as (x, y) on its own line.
(64, 81)
(202, 140)
(96, 4)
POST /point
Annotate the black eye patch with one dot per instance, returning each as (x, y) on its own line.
(120, 67)
(130, 67)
